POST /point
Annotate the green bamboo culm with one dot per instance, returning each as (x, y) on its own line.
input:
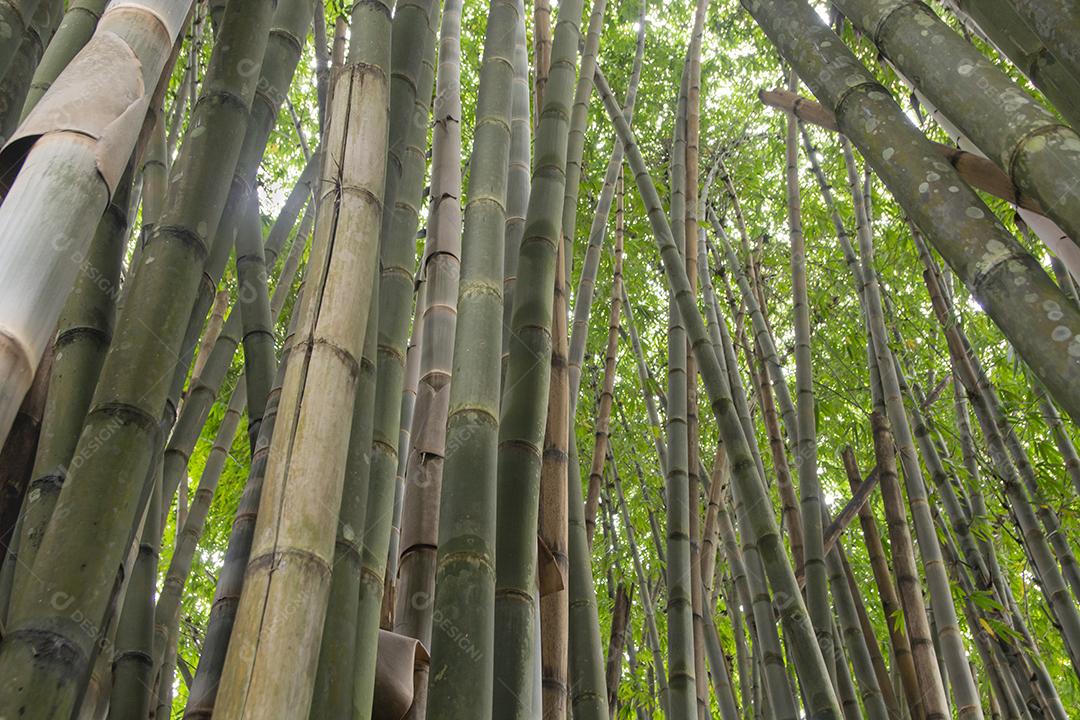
(524, 405)
(74, 31)
(16, 84)
(588, 685)
(809, 662)
(411, 84)
(1040, 154)
(437, 316)
(583, 295)
(462, 674)
(1057, 23)
(15, 16)
(110, 490)
(999, 23)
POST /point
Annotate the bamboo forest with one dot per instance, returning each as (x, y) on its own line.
(539, 359)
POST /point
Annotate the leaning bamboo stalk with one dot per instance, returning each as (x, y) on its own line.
(132, 668)
(808, 659)
(211, 334)
(203, 690)
(524, 403)
(603, 414)
(62, 183)
(305, 470)
(74, 31)
(986, 257)
(336, 676)
(462, 673)
(168, 603)
(977, 171)
(83, 337)
(1064, 443)
(16, 16)
(941, 602)
(16, 83)
(288, 31)
(1040, 155)
(1057, 23)
(583, 293)
(1034, 540)
(130, 396)
(203, 388)
(648, 382)
(575, 142)
(998, 24)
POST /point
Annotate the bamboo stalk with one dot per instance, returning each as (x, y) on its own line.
(441, 271)
(305, 470)
(462, 672)
(528, 372)
(603, 415)
(60, 188)
(583, 293)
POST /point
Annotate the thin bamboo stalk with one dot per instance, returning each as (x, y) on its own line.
(583, 293)
(588, 696)
(603, 415)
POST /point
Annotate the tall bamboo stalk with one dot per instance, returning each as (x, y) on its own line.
(682, 684)
(132, 666)
(16, 83)
(202, 694)
(519, 181)
(305, 470)
(62, 184)
(761, 525)
(413, 65)
(462, 672)
(552, 524)
(441, 272)
(541, 53)
(524, 405)
(817, 584)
